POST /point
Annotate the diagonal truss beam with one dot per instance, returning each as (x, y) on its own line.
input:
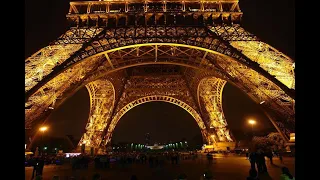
(196, 36)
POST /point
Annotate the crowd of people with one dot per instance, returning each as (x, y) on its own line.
(153, 160)
(123, 159)
(258, 165)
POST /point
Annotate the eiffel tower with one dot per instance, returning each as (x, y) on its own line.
(129, 52)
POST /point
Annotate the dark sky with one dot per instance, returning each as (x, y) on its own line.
(271, 20)
(164, 121)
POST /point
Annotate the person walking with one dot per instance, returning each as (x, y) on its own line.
(270, 156)
(40, 166)
(35, 164)
(253, 160)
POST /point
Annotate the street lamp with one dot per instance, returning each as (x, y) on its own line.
(42, 130)
(252, 122)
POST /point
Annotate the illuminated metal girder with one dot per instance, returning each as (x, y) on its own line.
(270, 59)
(207, 90)
(232, 32)
(110, 40)
(243, 76)
(101, 41)
(102, 99)
(142, 89)
(262, 91)
(42, 62)
(141, 12)
(210, 96)
(76, 35)
(39, 105)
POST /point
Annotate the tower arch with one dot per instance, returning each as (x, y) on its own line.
(154, 98)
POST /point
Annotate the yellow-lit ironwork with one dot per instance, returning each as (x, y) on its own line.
(270, 59)
(143, 88)
(38, 104)
(104, 40)
(210, 92)
(102, 97)
(41, 63)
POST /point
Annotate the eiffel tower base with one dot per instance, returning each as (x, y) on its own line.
(224, 146)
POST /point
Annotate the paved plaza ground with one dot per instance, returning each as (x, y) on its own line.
(230, 167)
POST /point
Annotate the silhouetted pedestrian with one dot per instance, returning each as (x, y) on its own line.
(34, 163)
(261, 162)
(253, 160)
(270, 156)
(40, 166)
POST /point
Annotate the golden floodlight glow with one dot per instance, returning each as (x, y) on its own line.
(212, 136)
(252, 122)
(44, 128)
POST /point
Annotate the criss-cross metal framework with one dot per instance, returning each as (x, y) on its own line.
(204, 37)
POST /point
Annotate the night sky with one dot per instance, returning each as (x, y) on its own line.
(271, 20)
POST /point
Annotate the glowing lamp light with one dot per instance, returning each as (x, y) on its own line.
(44, 128)
(252, 122)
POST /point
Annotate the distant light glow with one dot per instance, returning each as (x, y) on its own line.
(252, 122)
(72, 154)
(44, 128)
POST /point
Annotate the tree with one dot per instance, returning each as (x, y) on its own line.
(262, 142)
(272, 141)
(279, 142)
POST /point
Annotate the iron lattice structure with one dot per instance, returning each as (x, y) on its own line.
(203, 38)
